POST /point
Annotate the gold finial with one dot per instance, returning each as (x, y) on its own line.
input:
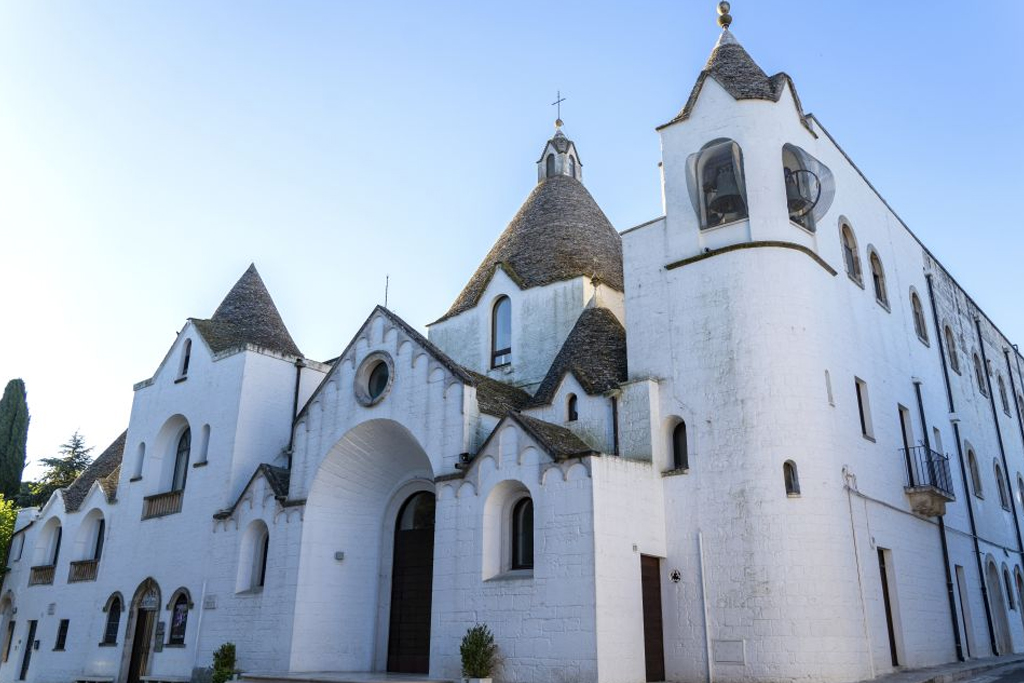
(558, 123)
(724, 18)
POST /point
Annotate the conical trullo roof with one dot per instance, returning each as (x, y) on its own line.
(247, 315)
(559, 233)
(735, 70)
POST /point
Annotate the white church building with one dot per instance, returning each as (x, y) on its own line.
(763, 437)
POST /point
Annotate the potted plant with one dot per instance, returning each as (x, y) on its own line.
(479, 655)
(223, 663)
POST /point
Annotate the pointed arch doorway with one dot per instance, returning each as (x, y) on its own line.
(412, 575)
(140, 631)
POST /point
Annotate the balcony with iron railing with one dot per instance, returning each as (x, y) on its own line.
(929, 482)
(162, 504)
(41, 575)
(83, 570)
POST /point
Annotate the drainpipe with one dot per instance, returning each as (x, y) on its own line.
(963, 469)
(615, 425)
(942, 535)
(999, 435)
(299, 364)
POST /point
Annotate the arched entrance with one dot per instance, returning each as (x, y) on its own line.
(998, 604)
(412, 573)
(352, 532)
(139, 633)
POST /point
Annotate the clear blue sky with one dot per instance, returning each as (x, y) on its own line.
(150, 151)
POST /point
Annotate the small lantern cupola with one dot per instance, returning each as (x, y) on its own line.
(559, 157)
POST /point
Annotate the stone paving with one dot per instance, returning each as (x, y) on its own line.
(947, 673)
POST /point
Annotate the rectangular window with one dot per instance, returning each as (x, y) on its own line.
(8, 637)
(101, 528)
(906, 427)
(62, 634)
(864, 409)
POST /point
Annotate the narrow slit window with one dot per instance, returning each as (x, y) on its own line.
(972, 465)
(878, 280)
(572, 414)
(791, 478)
(1003, 398)
(680, 453)
(62, 634)
(549, 166)
(850, 257)
(1004, 498)
(101, 530)
(181, 460)
(113, 622)
(920, 326)
(979, 374)
(186, 358)
(501, 332)
(522, 534)
(954, 357)
(864, 409)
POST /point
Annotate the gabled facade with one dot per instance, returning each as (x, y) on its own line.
(765, 436)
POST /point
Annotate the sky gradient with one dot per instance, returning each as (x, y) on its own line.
(150, 151)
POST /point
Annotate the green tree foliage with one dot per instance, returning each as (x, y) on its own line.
(60, 471)
(479, 652)
(223, 663)
(8, 516)
(13, 436)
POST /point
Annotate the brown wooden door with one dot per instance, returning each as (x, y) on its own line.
(30, 642)
(144, 622)
(654, 640)
(412, 577)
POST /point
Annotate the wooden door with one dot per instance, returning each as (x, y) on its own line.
(29, 646)
(887, 603)
(654, 639)
(144, 622)
(412, 577)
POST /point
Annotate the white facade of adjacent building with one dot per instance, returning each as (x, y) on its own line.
(764, 437)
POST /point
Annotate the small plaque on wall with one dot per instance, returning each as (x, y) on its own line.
(158, 646)
(210, 602)
(729, 651)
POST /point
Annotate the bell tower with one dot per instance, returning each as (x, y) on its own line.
(559, 157)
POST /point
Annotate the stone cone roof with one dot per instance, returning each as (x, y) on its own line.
(105, 469)
(247, 315)
(558, 234)
(594, 352)
(735, 70)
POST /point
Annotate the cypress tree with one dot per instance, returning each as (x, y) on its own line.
(14, 419)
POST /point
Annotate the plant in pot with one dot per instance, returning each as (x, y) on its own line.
(479, 655)
(224, 663)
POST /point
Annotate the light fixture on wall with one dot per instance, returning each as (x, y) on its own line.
(339, 555)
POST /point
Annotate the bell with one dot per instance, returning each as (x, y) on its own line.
(797, 199)
(727, 194)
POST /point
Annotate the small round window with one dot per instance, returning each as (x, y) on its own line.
(378, 380)
(373, 378)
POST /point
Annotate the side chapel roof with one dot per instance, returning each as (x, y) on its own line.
(105, 469)
(594, 352)
(247, 315)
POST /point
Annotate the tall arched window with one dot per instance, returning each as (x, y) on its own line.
(792, 479)
(572, 413)
(572, 166)
(920, 326)
(1004, 497)
(1003, 398)
(850, 257)
(113, 611)
(718, 175)
(179, 618)
(972, 465)
(58, 536)
(979, 374)
(522, 534)
(1009, 588)
(101, 531)
(186, 357)
(501, 332)
(181, 460)
(878, 280)
(954, 357)
(680, 452)
(549, 166)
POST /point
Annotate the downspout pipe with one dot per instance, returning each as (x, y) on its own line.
(299, 364)
(999, 436)
(963, 469)
(942, 536)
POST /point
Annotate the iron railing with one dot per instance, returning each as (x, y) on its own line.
(162, 504)
(928, 469)
(42, 575)
(83, 570)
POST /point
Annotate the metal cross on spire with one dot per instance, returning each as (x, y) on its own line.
(558, 103)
